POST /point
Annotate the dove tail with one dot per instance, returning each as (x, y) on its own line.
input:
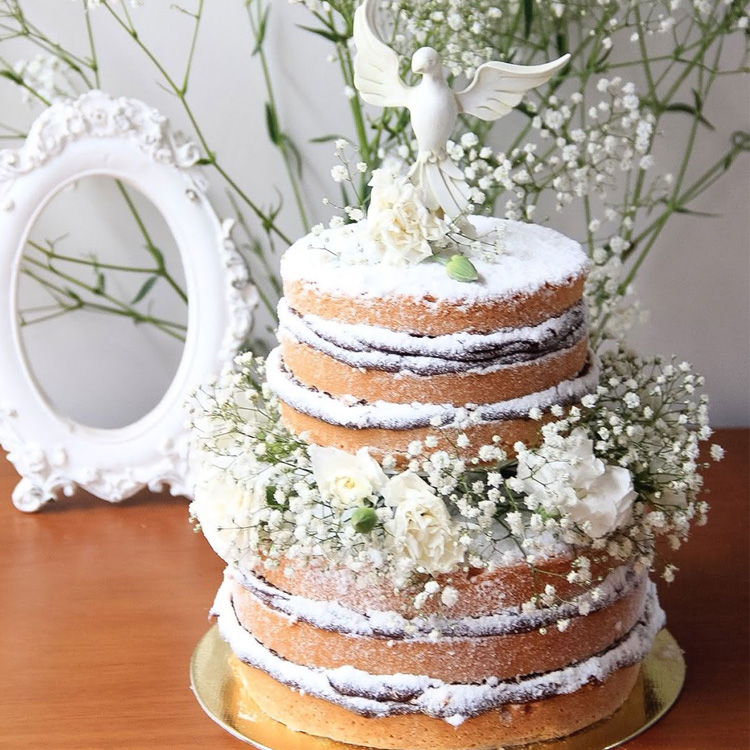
(442, 184)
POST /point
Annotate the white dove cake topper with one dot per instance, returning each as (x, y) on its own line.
(434, 107)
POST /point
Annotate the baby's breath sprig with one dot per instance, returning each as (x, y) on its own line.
(613, 475)
(622, 470)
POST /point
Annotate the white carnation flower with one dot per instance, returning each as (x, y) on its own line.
(345, 477)
(421, 526)
(569, 478)
(399, 224)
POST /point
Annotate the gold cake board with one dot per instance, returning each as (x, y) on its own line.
(212, 680)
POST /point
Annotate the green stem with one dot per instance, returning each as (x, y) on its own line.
(283, 146)
(150, 246)
(92, 45)
(46, 318)
(126, 309)
(645, 61)
(165, 326)
(210, 155)
(193, 42)
(91, 262)
(12, 132)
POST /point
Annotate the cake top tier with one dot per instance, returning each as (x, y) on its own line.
(520, 259)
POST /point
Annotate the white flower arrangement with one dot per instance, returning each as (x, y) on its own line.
(611, 477)
(399, 224)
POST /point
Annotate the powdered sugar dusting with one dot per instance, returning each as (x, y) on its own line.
(352, 414)
(332, 616)
(532, 257)
(384, 695)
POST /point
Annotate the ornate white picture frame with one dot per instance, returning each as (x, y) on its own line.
(127, 140)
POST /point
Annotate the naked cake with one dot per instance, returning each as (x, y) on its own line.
(438, 507)
(445, 652)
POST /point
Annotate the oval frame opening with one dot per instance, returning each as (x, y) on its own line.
(43, 377)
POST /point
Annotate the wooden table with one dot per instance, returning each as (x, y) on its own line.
(101, 607)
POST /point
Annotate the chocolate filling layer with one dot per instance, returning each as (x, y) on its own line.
(390, 351)
(358, 414)
(333, 617)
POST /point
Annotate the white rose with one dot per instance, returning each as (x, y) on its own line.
(226, 510)
(568, 477)
(345, 477)
(421, 526)
(399, 223)
(605, 504)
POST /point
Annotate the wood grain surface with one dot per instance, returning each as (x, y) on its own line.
(101, 607)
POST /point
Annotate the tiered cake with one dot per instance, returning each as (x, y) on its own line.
(396, 580)
(375, 356)
(378, 357)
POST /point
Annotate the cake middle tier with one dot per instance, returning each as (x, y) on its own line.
(387, 427)
(374, 363)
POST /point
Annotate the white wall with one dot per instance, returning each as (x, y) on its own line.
(696, 285)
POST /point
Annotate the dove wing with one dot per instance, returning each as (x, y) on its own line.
(376, 67)
(497, 87)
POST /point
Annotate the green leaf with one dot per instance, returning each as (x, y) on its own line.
(73, 295)
(100, 283)
(364, 520)
(330, 138)
(268, 219)
(260, 37)
(272, 125)
(205, 162)
(698, 99)
(741, 140)
(691, 110)
(145, 289)
(331, 36)
(460, 268)
(528, 16)
(602, 59)
(11, 75)
(156, 254)
(690, 212)
(294, 151)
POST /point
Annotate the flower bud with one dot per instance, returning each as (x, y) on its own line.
(461, 268)
(364, 520)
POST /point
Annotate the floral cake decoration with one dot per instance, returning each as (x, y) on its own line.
(612, 477)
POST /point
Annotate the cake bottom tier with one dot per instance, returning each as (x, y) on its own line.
(417, 712)
(510, 724)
